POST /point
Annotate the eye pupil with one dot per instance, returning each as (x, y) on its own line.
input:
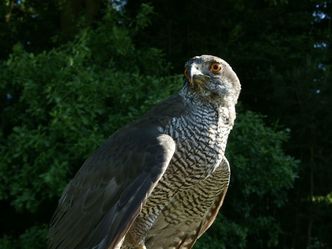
(215, 68)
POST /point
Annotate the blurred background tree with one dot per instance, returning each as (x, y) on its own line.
(73, 71)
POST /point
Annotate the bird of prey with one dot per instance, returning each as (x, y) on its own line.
(157, 183)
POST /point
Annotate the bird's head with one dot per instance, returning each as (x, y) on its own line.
(212, 79)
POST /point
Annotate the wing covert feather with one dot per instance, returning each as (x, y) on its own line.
(103, 199)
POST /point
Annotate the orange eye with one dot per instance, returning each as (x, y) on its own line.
(215, 68)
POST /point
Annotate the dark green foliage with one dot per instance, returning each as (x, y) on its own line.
(58, 107)
(64, 106)
(32, 238)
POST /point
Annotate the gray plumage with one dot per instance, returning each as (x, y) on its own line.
(159, 182)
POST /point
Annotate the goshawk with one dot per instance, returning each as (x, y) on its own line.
(157, 183)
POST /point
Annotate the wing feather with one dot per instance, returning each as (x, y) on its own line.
(99, 205)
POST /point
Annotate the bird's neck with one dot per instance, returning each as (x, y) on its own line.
(197, 101)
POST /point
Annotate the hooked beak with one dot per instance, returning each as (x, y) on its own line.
(195, 77)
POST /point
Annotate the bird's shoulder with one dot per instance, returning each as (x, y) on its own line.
(110, 187)
(172, 107)
(143, 132)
